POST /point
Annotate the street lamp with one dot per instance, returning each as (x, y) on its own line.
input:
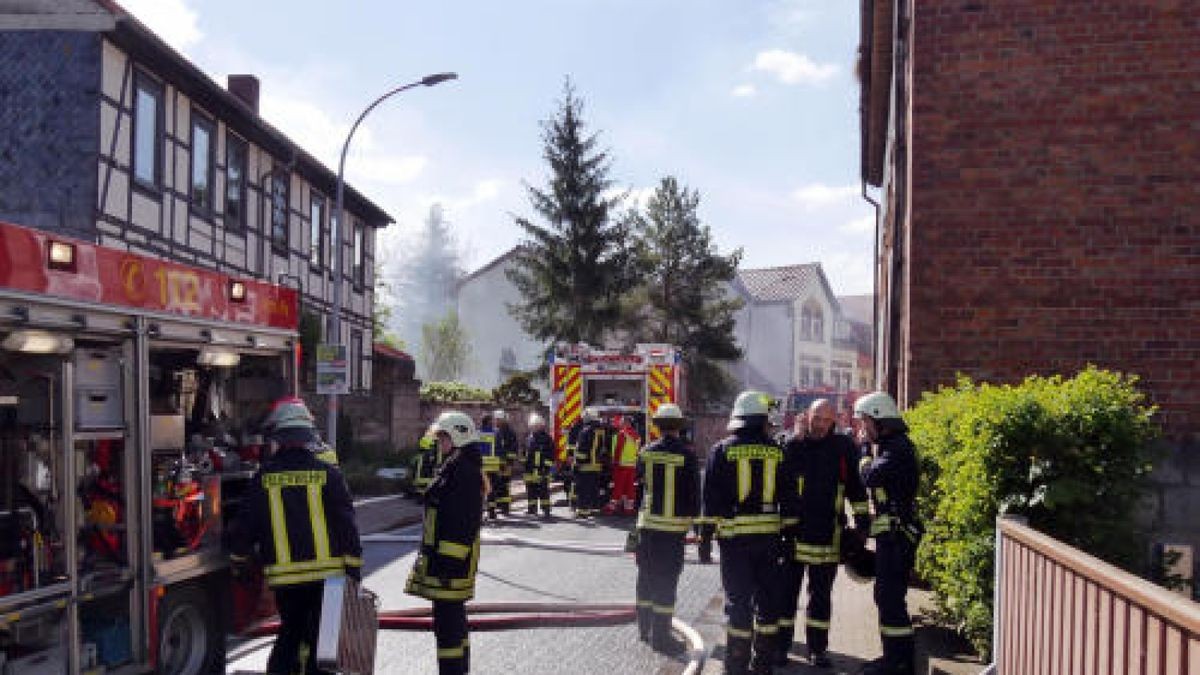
(335, 326)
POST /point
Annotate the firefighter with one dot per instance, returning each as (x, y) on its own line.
(566, 467)
(445, 568)
(625, 443)
(491, 463)
(539, 460)
(590, 451)
(299, 522)
(428, 460)
(507, 448)
(890, 474)
(823, 465)
(668, 498)
(744, 488)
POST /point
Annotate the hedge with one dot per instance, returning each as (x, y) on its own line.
(453, 392)
(1071, 455)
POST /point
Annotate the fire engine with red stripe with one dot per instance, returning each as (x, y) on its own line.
(130, 394)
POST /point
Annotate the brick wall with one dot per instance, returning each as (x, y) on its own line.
(1055, 197)
(1055, 217)
(49, 129)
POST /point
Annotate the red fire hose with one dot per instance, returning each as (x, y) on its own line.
(499, 616)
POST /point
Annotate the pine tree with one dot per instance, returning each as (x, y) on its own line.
(683, 299)
(572, 270)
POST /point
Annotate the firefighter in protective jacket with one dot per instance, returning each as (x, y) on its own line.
(744, 487)
(823, 466)
(591, 451)
(428, 461)
(539, 461)
(445, 568)
(490, 457)
(668, 498)
(891, 476)
(507, 448)
(298, 520)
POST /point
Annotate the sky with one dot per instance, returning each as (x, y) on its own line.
(753, 103)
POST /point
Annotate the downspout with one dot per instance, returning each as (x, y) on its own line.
(900, 65)
(874, 285)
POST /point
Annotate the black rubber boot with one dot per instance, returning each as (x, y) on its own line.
(762, 662)
(737, 656)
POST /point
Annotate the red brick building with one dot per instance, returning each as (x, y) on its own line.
(1039, 166)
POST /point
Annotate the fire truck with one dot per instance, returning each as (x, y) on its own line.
(628, 383)
(130, 388)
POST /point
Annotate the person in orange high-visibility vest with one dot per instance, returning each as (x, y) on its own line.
(624, 469)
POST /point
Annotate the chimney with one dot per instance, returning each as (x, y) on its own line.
(245, 88)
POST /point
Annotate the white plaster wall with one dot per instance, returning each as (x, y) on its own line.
(483, 312)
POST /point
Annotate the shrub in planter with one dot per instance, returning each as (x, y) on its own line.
(1071, 455)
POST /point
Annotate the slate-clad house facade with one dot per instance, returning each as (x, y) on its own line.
(109, 135)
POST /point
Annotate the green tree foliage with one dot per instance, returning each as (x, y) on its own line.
(682, 297)
(445, 348)
(453, 392)
(573, 268)
(517, 390)
(310, 336)
(1071, 455)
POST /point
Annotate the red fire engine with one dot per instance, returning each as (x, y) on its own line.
(631, 384)
(129, 388)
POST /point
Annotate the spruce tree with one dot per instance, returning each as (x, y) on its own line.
(573, 265)
(683, 299)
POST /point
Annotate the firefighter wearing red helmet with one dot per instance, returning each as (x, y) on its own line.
(298, 521)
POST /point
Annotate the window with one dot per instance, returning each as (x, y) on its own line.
(202, 165)
(147, 132)
(279, 211)
(812, 322)
(235, 182)
(316, 230)
(356, 359)
(360, 256)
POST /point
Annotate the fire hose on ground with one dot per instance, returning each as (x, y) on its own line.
(516, 615)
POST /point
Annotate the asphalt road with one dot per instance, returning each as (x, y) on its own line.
(519, 574)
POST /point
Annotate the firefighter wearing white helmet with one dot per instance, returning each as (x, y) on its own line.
(668, 499)
(889, 470)
(539, 461)
(298, 521)
(745, 490)
(445, 568)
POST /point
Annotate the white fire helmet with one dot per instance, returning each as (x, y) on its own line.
(457, 425)
(536, 421)
(499, 415)
(748, 404)
(877, 405)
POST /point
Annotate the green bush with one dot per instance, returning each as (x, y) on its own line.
(453, 392)
(517, 390)
(1071, 455)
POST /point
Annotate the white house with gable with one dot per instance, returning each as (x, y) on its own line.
(791, 329)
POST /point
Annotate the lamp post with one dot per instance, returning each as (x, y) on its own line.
(334, 335)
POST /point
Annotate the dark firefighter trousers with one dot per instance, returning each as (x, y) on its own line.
(659, 564)
(817, 611)
(497, 496)
(450, 632)
(299, 620)
(894, 558)
(537, 493)
(587, 492)
(750, 574)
